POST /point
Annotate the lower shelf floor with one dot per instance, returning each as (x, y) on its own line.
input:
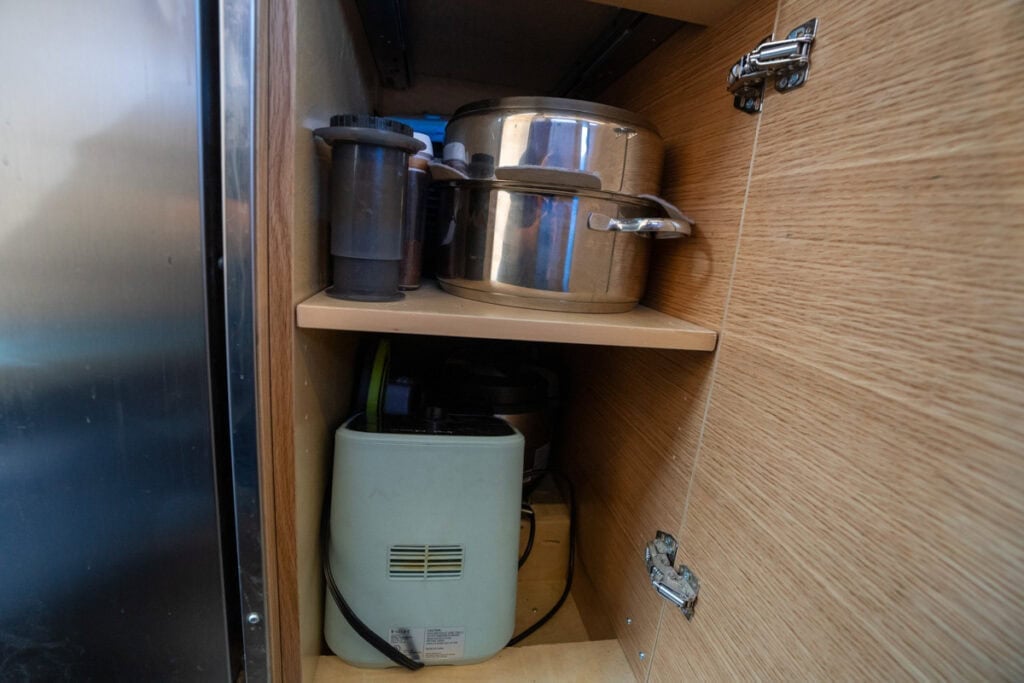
(595, 661)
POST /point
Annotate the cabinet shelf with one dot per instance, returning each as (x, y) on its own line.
(430, 311)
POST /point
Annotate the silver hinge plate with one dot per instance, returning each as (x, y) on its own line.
(680, 587)
(787, 61)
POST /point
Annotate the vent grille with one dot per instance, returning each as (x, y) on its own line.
(425, 561)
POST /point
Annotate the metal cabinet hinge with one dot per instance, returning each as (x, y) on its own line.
(680, 587)
(787, 61)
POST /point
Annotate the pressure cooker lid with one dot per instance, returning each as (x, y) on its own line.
(555, 104)
(363, 129)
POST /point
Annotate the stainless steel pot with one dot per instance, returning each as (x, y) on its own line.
(547, 247)
(608, 148)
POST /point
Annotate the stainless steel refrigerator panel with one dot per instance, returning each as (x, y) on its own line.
(237, 78)
(110, 564)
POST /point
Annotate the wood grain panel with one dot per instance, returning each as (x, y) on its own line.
(631, 434)
(279, 163)
(309, 79)
(324, 364)
(550, 553)
(596, 661)
(636, 415)
(836, 536)
(591, 606)
(708, 147)
(431, 311)
(541, 580)
(534, 599)
(857, 506)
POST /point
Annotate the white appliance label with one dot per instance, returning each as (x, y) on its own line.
(429, 644)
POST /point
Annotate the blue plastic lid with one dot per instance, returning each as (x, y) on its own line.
(430, 124)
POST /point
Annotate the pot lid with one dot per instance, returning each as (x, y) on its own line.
(555, 104)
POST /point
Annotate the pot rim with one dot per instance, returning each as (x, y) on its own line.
(554, 104)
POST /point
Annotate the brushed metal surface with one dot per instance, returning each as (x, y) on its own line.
(110, 565)
(237, 80)
(617, 146)
(514, 245)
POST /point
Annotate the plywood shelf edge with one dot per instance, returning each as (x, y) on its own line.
(430, 311)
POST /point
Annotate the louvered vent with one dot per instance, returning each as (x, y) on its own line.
(425, 561)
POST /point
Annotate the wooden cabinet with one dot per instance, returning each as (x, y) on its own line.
(845, 471)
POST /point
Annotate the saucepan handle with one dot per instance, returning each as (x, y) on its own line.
(672, 211)
(661, 227)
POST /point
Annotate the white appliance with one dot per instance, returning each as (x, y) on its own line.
(424, 528)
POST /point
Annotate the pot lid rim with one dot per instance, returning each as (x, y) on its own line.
(560, 104)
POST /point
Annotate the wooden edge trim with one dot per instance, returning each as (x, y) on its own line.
(263, 355)
(280, 163)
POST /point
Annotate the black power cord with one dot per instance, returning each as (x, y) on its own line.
(569, 569)
(365, 632)
(527, 513)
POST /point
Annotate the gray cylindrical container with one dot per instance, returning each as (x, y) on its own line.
(369, 167)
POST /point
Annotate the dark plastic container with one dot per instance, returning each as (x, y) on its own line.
(415, 215)
(369, 168)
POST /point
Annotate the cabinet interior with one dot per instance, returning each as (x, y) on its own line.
(864, 423)
(628, 409)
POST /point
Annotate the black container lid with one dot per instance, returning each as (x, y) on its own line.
(367, 121)
(369, 130)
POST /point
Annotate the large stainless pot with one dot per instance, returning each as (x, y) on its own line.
(549, 248)
(610, 149)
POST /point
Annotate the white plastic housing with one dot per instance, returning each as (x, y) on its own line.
(418, 490)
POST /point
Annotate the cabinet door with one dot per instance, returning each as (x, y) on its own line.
(857, 509)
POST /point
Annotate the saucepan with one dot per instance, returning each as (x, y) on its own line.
(549, 246)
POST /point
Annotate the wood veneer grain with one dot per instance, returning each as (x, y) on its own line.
(631, 431)
(636, 415)
(279, 163)
(595, 661)
(857, 506)
(431, 311)
(262, 250)
(310, 79)
(680, 87)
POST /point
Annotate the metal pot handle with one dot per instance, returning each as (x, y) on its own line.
(661, 227)
(671, 210)
(549, 175)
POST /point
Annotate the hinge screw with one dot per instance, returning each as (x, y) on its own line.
(642, 655)
(253, 618)
(628, 621)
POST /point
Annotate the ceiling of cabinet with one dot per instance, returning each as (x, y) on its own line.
(568, 48)
(527, 44)
(704, 12)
